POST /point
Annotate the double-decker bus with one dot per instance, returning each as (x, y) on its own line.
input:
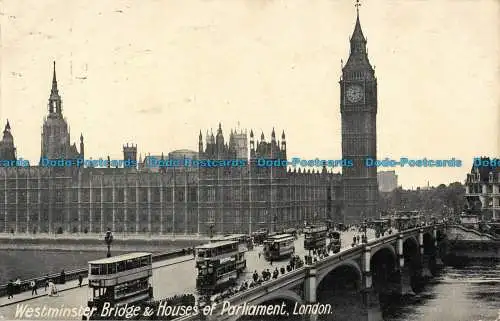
(315, 237)
(243, 245)
(335, 242)
(291, 231)
(279, 246)
(259, 236)
(216, 263)
(120, 280)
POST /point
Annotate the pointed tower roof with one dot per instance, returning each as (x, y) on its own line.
(357, 35)
(283, 135)
(358, 55)
(251, 133)
(54, 90)
(7, 126)
(273, 134)
(200, 136)
(262, 136)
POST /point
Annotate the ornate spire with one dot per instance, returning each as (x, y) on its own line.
(283, 135)
(357, 35)
(7, 126)
(54, 99)
(54, 90)
(273, 134)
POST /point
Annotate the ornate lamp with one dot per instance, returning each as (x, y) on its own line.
(108, 239)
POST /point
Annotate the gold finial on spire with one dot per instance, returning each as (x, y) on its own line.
(357, 5)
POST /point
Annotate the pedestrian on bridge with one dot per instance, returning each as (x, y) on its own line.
(33, 287)
(80, 280)
(255, 276)
(46, 282)
(10, 290)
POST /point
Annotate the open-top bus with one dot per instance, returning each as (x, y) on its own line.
(279, 246)
(120, 280)
(244, 241)
(216, 264)
(315, 237)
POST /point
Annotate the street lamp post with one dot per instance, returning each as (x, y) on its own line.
(108, 239)
(212, 225)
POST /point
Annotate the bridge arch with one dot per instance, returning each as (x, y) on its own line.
(411, 239)
(383, 263)
(388, 247)
(428, 243)
(351, 265)
(279, 295)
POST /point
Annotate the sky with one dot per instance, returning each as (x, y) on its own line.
(156, 72)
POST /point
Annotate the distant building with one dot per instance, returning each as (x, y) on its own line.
(482, 189)
(387, 181)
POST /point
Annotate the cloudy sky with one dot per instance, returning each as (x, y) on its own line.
(155, 72)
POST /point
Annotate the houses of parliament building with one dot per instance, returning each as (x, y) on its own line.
(196, 200)
(160, 200)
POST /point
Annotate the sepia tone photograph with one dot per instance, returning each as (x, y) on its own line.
(228, 160)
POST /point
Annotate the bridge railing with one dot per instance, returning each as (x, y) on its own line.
(74, 274)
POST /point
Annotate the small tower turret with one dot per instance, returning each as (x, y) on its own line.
(82, 147)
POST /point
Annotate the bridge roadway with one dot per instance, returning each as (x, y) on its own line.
(170, 277)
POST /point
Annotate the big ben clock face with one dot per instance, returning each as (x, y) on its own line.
(354, 93)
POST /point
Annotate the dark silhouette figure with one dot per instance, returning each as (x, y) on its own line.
(80, 280)
(34, 288)
(10, 290)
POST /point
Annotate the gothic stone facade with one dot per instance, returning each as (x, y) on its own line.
(180, 201)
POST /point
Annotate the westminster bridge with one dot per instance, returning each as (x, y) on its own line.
(392, 262)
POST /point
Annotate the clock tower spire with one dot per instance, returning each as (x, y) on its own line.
(358, 109)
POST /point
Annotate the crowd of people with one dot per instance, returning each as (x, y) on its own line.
(49, 284)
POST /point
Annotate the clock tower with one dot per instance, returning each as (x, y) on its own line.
(358, 109)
